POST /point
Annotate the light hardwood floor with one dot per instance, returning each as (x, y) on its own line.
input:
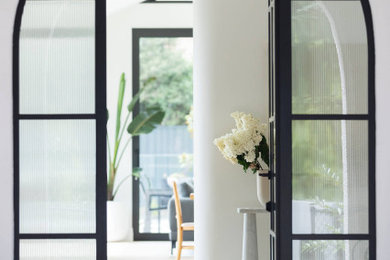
(144, 251)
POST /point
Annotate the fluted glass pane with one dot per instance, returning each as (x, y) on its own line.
(330, 176)
(330, 250)
(58, 249)
(57, 176)
(329, 58)
(57, 57)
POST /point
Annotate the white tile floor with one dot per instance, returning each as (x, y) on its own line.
(144, 251)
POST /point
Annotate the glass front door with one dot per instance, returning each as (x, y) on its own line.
(325, 131)
(59, 124)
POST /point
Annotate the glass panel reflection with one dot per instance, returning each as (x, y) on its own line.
(57, 57)
(330, 250)
(58, 249)
(57, 176)
(330, 176)
(329, 58)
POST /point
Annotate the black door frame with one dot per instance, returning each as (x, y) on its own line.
(281, 36)
(100, 116)
(137, 34)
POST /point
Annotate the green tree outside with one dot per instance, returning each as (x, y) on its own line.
(166, 60)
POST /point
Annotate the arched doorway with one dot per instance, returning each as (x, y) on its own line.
(322, 88)
(59, 78)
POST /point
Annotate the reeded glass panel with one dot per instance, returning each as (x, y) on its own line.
(57, 176)
(330, 250)
(58, 249)
(329, 58)
(330, 176)
(57, 57)
(166, 153)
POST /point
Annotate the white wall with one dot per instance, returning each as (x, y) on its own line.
(215, 238)
(225, 36)
(120, 22)
(230, 74)
(380, 10)
(7, 13)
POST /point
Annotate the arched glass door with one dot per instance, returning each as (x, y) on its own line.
(59, 130)
(325, 130)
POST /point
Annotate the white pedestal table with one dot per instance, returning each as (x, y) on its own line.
(249, 235)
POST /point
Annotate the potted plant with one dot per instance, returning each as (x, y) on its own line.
(247, 146)
(143, 123)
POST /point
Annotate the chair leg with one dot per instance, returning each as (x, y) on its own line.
(179, 243)
(173, 245)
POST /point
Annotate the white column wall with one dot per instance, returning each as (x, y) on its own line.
(381, 17)
(230, 74)
(7, 14)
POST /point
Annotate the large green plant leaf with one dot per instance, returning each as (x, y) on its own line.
(121, 93)
(146, 121)
(134, 100)
(136, 97)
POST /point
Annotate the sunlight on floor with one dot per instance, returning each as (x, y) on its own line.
(144, 251)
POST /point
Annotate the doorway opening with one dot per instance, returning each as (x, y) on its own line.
(155, 55)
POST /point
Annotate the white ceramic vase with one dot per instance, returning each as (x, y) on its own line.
(118, 218)
(262, 184)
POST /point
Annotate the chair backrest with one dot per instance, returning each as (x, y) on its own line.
(179, 216)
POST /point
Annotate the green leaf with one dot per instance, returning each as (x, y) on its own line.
(136, 97)
(134, 100)
(241, 160)
(146, 121)
(264, 150)
(257, 152)
(121, 93)
(137, 172)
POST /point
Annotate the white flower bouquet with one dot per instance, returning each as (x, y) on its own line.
(246, 145)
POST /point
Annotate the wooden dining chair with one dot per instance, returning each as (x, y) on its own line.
(181, 227)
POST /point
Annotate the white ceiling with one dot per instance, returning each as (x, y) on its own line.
(116, 5)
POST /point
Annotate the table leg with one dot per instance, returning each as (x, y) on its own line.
(249, 242)
(148, 221)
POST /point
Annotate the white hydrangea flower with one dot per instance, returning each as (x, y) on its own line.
(250, 156)
(243, 139)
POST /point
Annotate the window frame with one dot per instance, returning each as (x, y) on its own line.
(165, 2)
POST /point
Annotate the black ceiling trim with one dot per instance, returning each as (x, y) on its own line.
(165, 2)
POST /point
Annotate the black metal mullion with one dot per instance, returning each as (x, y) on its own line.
(326, 0)
(330, 236)
(151, 236)
(160, 32)
(15, 72)
(56, 116)
(57, 236)
(283, 79)
(135, 139)
(165, 2)
(328, 117)
(372, 126)
(101, 121)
